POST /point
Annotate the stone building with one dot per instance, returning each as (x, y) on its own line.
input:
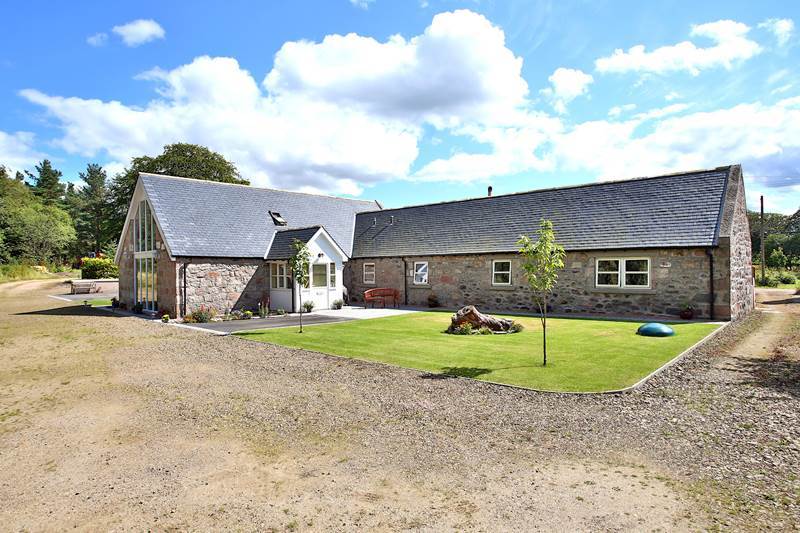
(647, 246)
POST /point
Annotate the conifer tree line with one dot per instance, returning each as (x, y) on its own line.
(47, 220)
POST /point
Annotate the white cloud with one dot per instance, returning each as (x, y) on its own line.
(458, 70)
(731, 44)
(566, 85)
(335, 116)
(672, 95)
(782, 29)
(765, 139)
(617, 110)
(139, 31)
(363, 4)
(782, 89)
(17, 150)
(98, 39)
(662, 112)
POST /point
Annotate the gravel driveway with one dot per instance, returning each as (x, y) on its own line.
(110, 422)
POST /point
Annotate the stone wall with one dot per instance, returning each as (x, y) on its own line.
(678, 277)
(742, 284)
(223, 283)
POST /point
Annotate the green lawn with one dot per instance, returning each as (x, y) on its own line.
(584, 355)
(98, 302)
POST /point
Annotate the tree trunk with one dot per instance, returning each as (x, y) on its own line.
(300, 299)
(470, 315)
(544, 332)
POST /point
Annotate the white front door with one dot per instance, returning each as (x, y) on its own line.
(318, 291)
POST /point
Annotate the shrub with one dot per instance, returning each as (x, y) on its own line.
(777, 259)
(280, 311)
(771, 280)
(164, 318)
(485, 330)
(263, 310)
(248, 315)
(236, 314)
(787, 278)
(337, 304)
(114, 302)
(308, 306)
(433, 300)
(95, 268)
(202, 315)
(463, 329)
(516, 327)
(138, 308)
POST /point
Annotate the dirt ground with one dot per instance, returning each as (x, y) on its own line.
(119, 423)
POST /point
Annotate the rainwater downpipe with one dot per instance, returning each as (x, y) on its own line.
(712, 297)
(405, 282)
(183, 291)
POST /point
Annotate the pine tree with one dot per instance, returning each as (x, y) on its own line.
(47, 184)
(92, 221)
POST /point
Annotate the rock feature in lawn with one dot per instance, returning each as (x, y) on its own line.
(470, 315)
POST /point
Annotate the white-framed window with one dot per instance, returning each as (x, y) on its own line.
(501, 272)
(420, 273)
(369, 273)
(623, 272)
(332, 275)
(636, 272)
(279, 276)
(319, 275)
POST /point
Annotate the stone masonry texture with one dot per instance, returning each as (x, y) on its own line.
(678, 277)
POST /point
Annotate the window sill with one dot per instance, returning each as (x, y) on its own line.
(502, 287)
(624, 290)
(420, 286)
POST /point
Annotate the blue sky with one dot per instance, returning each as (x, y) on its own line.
(410, 101)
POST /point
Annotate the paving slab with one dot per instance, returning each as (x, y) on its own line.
(232, 326)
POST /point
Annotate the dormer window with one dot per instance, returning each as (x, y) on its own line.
(277, 218)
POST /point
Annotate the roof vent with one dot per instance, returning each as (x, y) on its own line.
(277, 218)
(489, 191)
(391, 220)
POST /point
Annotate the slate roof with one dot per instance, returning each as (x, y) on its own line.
(211, 219)
(677, 210)
(282, 243)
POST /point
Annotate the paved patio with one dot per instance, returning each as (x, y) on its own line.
(326, 316)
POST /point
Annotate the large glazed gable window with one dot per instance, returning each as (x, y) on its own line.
(501, 272)
(421, 273)
(623, 272)
(369, 273)
(145, 262)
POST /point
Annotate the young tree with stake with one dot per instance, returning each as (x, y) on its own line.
(542, 259)
(300, 263)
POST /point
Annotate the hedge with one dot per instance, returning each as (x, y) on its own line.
(96, 268)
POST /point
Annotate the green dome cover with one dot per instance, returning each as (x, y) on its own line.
(655, 329)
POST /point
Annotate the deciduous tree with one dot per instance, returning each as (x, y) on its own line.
(542, 260)
(300, 263)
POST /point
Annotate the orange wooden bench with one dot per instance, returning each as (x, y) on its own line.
(381, 295)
